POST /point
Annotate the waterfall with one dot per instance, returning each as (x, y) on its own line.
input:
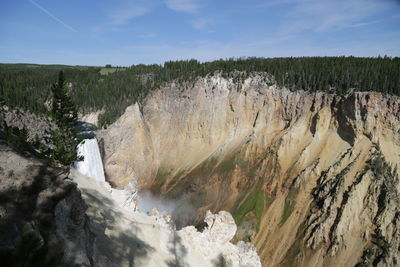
(92, 165)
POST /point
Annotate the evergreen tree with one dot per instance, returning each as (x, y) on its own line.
(62, 140)
(2, 119)
(63, 109)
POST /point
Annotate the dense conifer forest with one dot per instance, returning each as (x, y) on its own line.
(28, 86)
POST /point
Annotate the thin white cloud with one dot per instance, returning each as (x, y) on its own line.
(146, 35)
(187, 6)
(123, 16)
(120, 18)
(326, 15)
(52, 16)
(362, 24)
(200, 23)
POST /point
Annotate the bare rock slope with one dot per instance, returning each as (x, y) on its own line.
(311, 178)
(40, 201)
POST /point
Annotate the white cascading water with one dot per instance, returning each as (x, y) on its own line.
(92, 165)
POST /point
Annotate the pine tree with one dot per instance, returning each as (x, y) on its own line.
(63, 140)
(63, 109)
(2, 119)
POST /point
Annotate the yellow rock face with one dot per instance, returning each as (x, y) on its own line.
(299, 171)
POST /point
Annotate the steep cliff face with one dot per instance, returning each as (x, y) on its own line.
(42, 214)
(311, 179)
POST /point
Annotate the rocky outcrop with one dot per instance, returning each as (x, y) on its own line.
(293, 167)
(92, 117)
(42, 214)
(36, 125)
(213, 242)
(73, 231)
(128, 238)
(362, 210)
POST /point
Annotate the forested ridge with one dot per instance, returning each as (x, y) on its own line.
(27, 86)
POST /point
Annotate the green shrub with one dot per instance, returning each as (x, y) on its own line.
(253, 203)
(161, 176)
(290, 203)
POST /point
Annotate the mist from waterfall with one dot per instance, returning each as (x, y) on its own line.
(129, 197)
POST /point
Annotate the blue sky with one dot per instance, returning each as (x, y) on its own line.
(126, 32)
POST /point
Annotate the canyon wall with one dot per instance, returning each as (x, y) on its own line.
(311, 178)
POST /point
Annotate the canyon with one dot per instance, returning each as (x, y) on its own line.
(243, 172)
(311, 179)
